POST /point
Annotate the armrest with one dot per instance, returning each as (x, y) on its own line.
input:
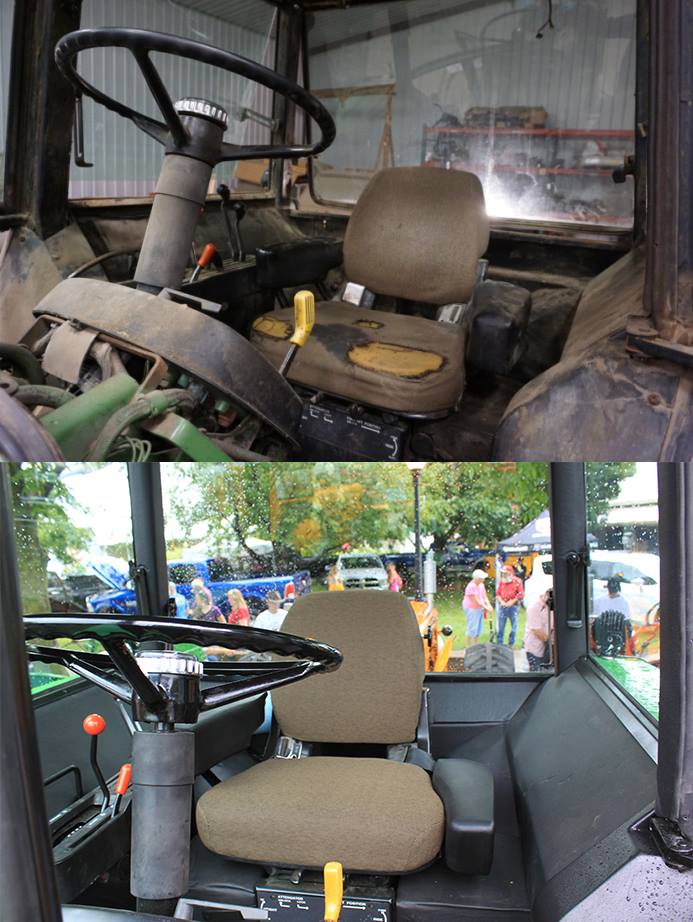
(500, 314)
(296, 262)
(466, 789)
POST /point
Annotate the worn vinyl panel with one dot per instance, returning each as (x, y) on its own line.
(390, 361)
(27, 273)
(598, 402)
(200, 345)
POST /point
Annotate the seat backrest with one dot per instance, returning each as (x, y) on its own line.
(375, 695)
(417, 233)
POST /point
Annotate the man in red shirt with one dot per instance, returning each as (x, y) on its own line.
(509, 594)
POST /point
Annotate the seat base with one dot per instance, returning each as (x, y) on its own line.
(395, 362)
(373, 815)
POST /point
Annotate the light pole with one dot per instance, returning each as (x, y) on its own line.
(416, 467)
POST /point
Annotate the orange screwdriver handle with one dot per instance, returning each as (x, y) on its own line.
(124, 776)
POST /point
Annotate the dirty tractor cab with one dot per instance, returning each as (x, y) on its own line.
(147, 780)
(323, 230)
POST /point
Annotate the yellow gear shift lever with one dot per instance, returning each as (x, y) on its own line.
(333, 891)
(304, 320)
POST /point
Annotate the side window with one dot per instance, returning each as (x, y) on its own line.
(74, 540)
(623, 579)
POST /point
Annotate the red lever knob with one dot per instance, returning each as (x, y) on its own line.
(93, 724)
(207, 255)
(124, 776)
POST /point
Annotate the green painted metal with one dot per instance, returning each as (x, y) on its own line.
(75, 425)
(182, 434)
(44, 681)
(638, 677)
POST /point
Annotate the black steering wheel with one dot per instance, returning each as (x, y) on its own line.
(172, 132)
(159, 699)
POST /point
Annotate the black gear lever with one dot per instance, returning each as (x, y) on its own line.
(93, 725)
(238, 209)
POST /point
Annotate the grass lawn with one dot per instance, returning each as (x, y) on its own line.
(449, 605)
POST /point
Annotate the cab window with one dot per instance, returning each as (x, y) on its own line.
(623, 577)
(537, 99)
(74, 540)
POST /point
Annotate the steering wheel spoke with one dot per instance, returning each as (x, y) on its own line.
(160, 94)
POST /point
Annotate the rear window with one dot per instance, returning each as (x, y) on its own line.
(536, 99)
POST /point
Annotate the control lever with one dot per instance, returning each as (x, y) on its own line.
(334, 889)
(93, 725)
(122, 784)
(304, 320)
(206, 257)
(238, 209)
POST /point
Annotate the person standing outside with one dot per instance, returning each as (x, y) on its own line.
(199, 592)
(395, 583)
(334, 583)
(238, 611)
(538, 632)
(203, 608)
(179, 599)
(509, 594)
(273, 616)
(475, 603)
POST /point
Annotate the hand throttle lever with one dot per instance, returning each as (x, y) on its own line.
(93, 725)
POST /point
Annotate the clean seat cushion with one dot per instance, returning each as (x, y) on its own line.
(395, 362)
(372, 815)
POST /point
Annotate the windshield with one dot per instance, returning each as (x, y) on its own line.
(360, 563)
(535, 98)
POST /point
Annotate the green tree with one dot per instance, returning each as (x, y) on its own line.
(43, 527)
(602, 483)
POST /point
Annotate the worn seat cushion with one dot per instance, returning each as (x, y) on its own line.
(372, 815)
(396, 362)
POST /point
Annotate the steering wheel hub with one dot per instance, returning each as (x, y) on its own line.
(202, 108)
(169, 662)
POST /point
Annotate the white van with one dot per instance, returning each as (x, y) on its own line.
(638, 572)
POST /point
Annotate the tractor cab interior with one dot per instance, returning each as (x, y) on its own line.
(483, 267)
(398, 794)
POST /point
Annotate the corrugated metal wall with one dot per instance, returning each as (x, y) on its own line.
(127, 162)
(582, 72)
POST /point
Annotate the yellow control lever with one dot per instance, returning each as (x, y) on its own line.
(304, 320)
(333, 891)
(304, 317)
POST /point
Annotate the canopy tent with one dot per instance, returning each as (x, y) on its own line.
(533, 537)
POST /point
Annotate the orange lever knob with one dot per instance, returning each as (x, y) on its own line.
(124, 776)
(207, 255)
(93, 724)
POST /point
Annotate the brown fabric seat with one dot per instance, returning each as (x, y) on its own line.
(369, 814)
(408, 365)
(415, 233)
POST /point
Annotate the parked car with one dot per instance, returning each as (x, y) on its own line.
(361, 571)
(69, 592)
(218, 575)
(638, 573)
